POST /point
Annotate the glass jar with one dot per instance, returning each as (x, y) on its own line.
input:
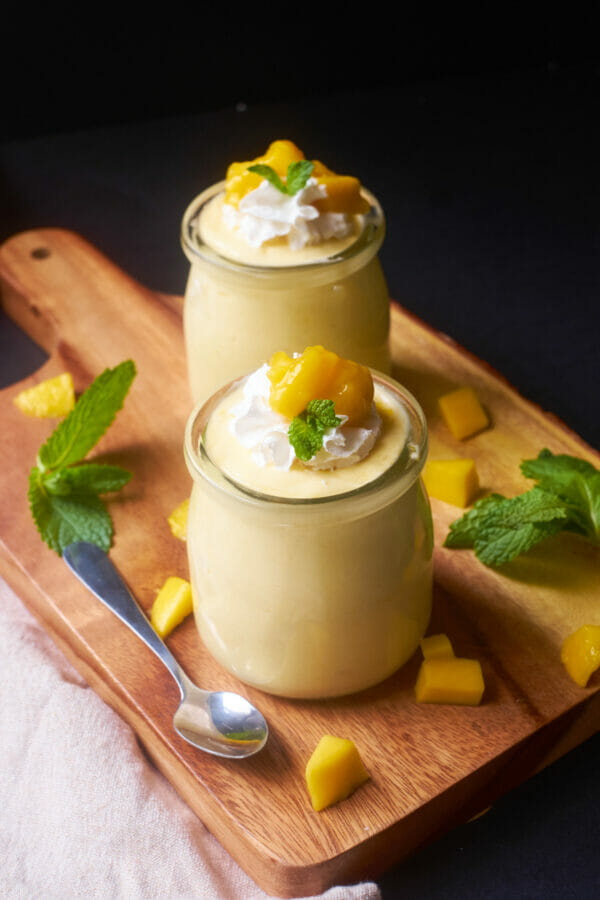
(237, 315)
(311, 598)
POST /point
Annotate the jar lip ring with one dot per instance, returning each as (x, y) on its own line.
(401, 474)
(370, 239)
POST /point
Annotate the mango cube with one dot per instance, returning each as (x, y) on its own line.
(53, 398)
(334, 771)
(454, 481)
(239, 181)
(463, 413)
(580, 653)
(436, 645)
(343, 195)
(450, 680)
(319, 374)
(178, 520)
(343, 191)
(172, 604)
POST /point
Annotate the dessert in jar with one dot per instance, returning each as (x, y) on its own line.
(283, 253)
(309, 532)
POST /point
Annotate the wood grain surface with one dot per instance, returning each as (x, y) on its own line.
(431, 767)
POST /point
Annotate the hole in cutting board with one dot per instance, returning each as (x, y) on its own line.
(40, 253)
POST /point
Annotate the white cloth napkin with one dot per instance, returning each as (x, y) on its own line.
(83, 812)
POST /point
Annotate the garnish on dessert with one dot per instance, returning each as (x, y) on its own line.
(318, 390)
(565, 498)
(342, 193)
(319, 373)
(307, 430)
(64, 489)
(296, 177)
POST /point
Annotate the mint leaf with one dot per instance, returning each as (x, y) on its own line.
(270, 174)
(306, 431)
(88, 478)
(321, 414)
(305, 439)
(565, 498)
(298, 174)
(513, 525)
(95, 410)
(499, 544)
(576, 481)
(463, 531)
(64, 489)
(61, 520)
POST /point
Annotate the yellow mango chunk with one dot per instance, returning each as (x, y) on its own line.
(435, 646)
(580, 653)
(343, 191)
(53, 398)
(239, 181)
(343, 195)
(172, 604)
(450, 680)
(319, 374)
(463, 413)
(334, 771)
(454, 481)
(178, 520)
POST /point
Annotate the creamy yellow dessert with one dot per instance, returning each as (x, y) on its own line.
(276, 269)
(309, 537)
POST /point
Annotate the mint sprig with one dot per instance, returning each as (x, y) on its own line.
(64, 489)
(298, 174)
(306, 431)
(565, 498)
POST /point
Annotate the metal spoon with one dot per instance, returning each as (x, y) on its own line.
(219, 722)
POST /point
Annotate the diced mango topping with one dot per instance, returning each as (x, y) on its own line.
(580, 653)
(178, 520)
(463, 413)
(454, 481)
(319, 374)
(172, 604)
(343, 195)
(343, 191)
(334, 771)
(239, 181)
(53, 398)
(452, 680)
(436, 645)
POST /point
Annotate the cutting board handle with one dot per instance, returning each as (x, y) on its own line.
(67, 296)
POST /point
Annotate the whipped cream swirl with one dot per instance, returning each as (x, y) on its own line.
(266, 213)
(265, 432)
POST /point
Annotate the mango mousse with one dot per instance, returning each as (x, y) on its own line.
(309, 534)
(283, 253)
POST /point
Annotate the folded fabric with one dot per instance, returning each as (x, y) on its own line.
(84, 811)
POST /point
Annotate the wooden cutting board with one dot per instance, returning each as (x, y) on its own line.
(431, 767)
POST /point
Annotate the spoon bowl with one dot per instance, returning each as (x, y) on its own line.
(217, 722)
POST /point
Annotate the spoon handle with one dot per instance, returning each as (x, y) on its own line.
(94, 568)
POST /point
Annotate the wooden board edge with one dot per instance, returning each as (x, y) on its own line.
(464, 353)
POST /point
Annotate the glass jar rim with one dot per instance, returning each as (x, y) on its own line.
(369, 241)
(396, 479)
